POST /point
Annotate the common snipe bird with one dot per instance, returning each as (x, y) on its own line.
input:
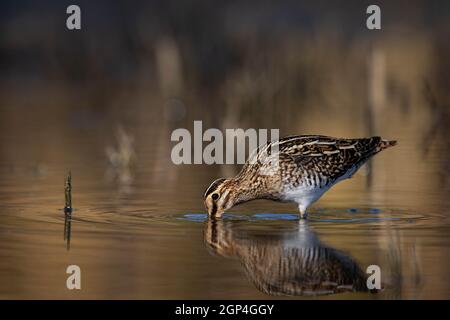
(300, 170)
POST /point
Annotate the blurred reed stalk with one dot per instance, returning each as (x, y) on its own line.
(376, 98)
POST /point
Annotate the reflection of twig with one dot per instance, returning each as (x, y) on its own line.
(376, 99)
(67, 229)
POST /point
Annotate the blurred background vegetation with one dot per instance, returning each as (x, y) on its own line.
(302, 66)
(103, 101)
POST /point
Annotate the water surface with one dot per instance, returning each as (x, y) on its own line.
(103, 102)
(147, 238)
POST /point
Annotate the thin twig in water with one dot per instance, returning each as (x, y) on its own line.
(68, 194)
(68, 209)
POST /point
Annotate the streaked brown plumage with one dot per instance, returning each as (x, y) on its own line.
(296, 169)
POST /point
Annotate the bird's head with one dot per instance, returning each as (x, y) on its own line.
(219, 197)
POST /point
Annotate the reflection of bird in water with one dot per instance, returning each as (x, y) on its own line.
(288, 263)
(296, 169)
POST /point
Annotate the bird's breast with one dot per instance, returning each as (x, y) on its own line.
(304, 193)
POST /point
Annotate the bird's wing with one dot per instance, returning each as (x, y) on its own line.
(332, 156)
(318, 146)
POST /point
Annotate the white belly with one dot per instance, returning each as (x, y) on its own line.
(304, 196)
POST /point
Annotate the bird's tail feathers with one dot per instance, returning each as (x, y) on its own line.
(384, 144)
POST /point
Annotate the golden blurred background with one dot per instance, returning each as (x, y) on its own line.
(103, 101)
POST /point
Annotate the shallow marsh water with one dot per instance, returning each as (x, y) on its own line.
(139, 230)
(147, 236)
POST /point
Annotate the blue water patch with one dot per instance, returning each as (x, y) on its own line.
(369, 210)
(275, 216)
(354, 220)
(200, 217)
(317, 216)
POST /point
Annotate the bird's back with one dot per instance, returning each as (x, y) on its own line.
(315, 161)
(324, 160)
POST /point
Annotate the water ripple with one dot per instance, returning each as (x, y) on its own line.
(352, 216)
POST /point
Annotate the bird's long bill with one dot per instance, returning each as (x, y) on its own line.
(213, 209)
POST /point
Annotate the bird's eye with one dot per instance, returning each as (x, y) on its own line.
(215, 196)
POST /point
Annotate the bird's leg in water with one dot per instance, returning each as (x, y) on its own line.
(302, 209)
